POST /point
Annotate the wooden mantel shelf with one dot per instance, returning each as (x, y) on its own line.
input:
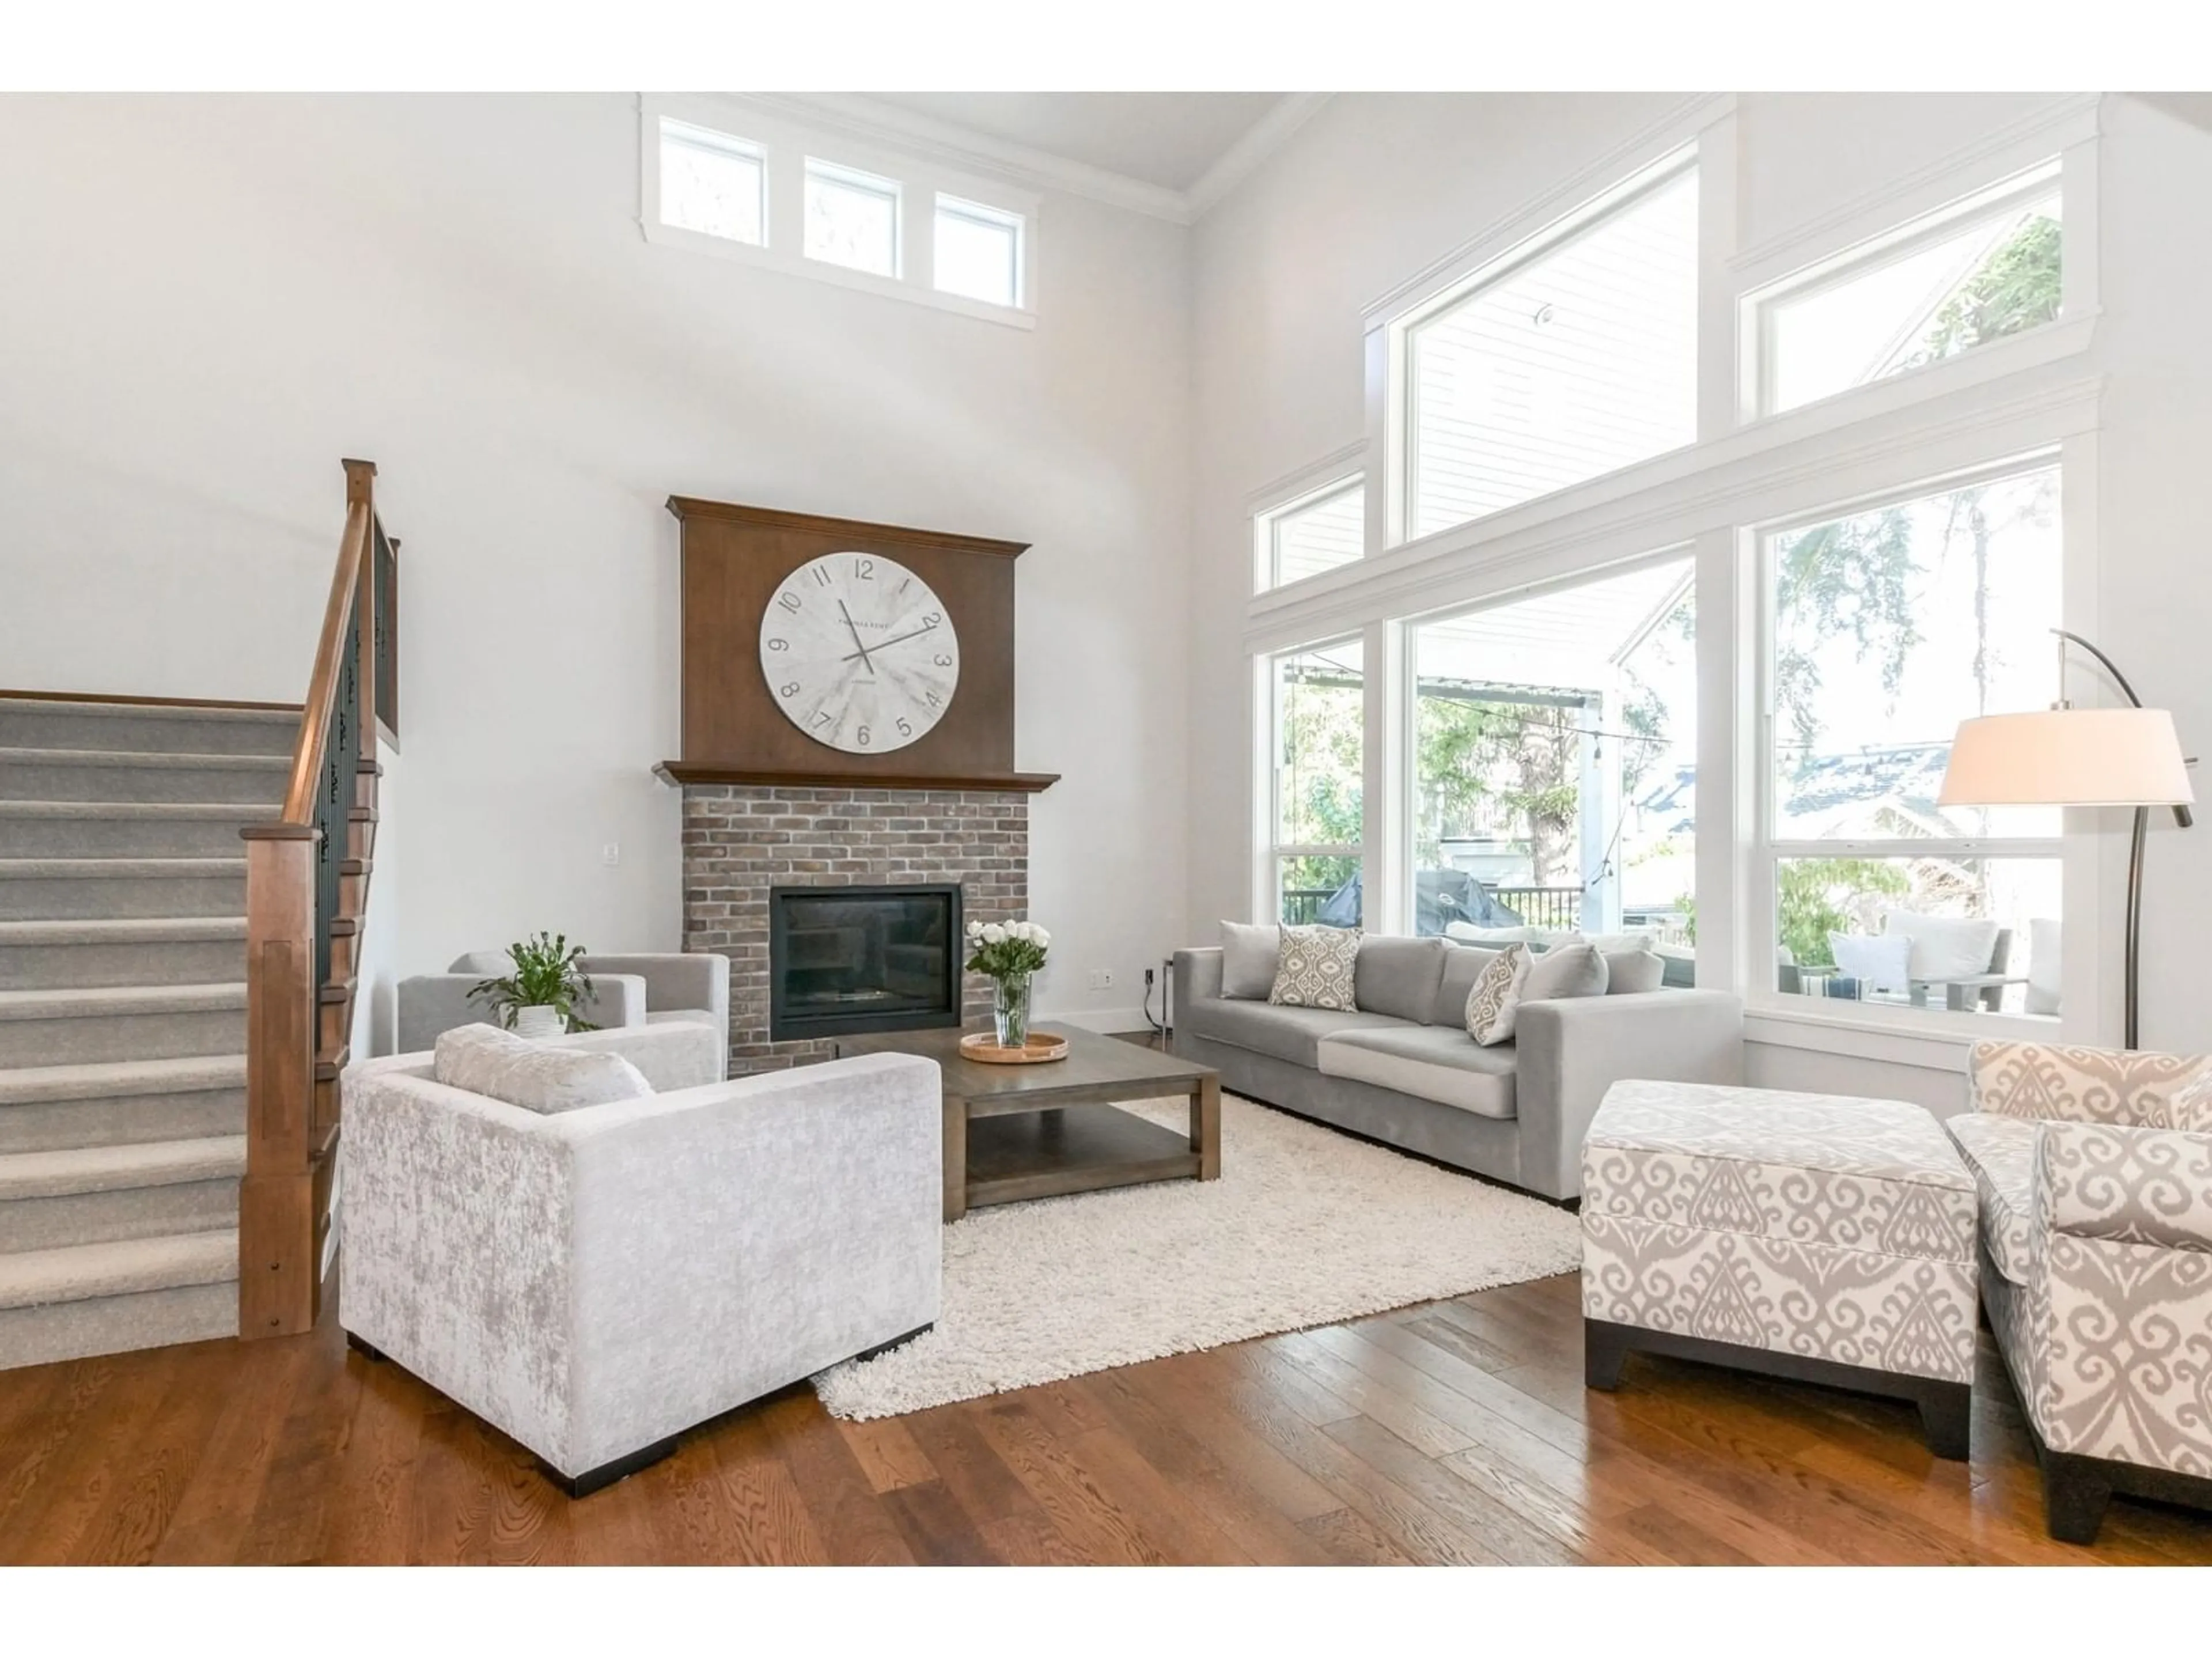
(1026, 783)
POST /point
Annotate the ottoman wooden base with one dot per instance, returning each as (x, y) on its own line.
(1946, 1408)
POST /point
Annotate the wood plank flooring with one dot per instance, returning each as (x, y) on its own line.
(1456, 1431)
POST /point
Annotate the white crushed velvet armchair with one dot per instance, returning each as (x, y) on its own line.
(2094, 1168)
(596, 1281)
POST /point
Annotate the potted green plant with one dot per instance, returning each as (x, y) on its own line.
(538, 998)
(1008, 953)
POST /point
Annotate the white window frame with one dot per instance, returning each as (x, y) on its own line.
(706, 138)
(838, 175)
(1266, 894)
(788, 146)
(1766, 850)
(1757, 308)
(1266, 520)
(1580, 222)
(981, 213)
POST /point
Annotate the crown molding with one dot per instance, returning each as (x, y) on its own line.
(1265, 136)
(863, 118)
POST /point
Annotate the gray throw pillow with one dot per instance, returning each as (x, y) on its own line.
(1398, 976)
(1564, 970)
(538, 1076)
(1247, 960)
(1627, 972)
(1316, 967)
(1463, 965)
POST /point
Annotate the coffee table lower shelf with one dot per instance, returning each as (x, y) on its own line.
(1073, 1149)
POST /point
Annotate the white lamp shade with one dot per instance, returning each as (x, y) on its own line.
(2068, 758)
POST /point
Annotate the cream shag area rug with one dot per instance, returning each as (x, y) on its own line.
(1305, 1227)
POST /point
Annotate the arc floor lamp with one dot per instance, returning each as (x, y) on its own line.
(2070, 756)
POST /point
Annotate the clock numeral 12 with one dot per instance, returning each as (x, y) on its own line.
(865, 569)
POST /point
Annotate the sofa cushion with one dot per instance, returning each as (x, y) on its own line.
(1315, 967)
(2000, 1152)
(1267, 1028)
(1398, 976)
(1565, 970)
(1463, 965)
(1247, 960)
(1631, 972)
(1943, 947)
(1439, 1063)
(538, 1076)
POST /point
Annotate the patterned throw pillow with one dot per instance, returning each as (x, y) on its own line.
(2189, 1106)
(1314, 968)
(1495, 1001)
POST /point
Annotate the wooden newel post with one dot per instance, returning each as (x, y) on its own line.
(279, 1279)
(289, 1144)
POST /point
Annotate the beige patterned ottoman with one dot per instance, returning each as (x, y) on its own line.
(1812, 1236)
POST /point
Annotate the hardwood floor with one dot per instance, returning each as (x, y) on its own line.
(1455, 1431)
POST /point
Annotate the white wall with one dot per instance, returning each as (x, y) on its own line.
(210, 301)
(1377, 186)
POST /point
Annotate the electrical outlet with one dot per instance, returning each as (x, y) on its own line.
(611, 855)
(1102, 979)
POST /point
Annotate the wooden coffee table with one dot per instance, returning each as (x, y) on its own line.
(1017, 1131)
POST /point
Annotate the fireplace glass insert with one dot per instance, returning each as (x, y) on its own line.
(846, 959)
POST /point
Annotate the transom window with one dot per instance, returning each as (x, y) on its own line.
(852, 218)
(1314, 533)
(979, 251)
(712, 183)
(1976, 272)
(1576, 362)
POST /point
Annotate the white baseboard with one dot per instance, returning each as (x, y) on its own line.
(1108, 1020)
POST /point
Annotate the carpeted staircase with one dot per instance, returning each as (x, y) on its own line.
(123, 1017)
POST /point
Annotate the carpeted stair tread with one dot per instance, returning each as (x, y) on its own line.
(113, 1168)
(185, 812)
(124, 930)
(194, 1074)
(284, 714)
(153, 760)
(78, 1273)
(104, 1002)
(118, 869)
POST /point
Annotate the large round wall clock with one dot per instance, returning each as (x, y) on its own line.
(859, 653)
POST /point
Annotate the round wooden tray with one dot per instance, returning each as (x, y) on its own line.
(1041, 1046)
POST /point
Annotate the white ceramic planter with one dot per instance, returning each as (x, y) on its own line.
(538, 1024)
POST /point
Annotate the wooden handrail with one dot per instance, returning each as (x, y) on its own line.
(306, 886)
(307, 753)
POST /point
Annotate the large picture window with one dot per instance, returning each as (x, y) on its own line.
(1554, 764)
(1577, 362)
(1319, 720)
(1886, 626)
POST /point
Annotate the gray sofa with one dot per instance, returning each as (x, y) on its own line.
(1403, 1069)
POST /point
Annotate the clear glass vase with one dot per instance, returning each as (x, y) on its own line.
(1010, 1010)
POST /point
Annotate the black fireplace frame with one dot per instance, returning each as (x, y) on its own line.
(785, 1027)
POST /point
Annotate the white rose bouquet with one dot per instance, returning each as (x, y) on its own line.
(1006, 950)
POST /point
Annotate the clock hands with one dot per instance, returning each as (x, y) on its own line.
(854, 628)
(914, 635)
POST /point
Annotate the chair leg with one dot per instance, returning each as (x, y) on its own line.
(375, 1355)
(895, 1342)
(1947, 1415)
(591, 1481)
(2075, 1493)
(1604, 1352)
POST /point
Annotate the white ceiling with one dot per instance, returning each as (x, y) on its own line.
(1166, 139)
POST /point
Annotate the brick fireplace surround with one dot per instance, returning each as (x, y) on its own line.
(740, 840)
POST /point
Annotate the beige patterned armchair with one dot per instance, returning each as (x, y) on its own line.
(2094, 1168)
